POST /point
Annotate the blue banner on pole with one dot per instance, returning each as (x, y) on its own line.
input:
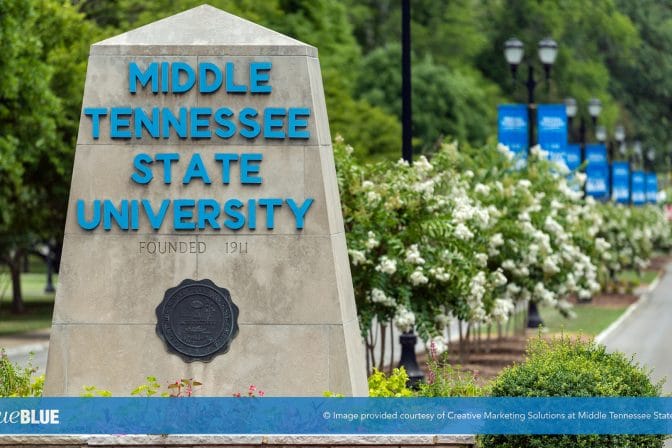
(572, 156)
(620, 182)
(512, 128)
(596, 154)
(336, 416)
(638, 188)
(651, 188)
(552, 128)
(597, 181)
(597, 171)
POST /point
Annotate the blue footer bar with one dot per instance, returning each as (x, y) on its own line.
(336, 416)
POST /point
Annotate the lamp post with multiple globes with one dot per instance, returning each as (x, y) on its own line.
(514, 51)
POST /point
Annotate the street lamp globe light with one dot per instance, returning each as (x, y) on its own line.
(651, 154)
(594, 107)
(514, 51)
(571, 107)
(548, 51)
(638, 148)
(619, 133)
(600, 133)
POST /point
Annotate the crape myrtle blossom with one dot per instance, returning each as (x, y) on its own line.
(469, 233)
(379, 296)
(404, 319)
(386, 265)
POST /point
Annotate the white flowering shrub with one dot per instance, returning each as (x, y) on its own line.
(472, 232)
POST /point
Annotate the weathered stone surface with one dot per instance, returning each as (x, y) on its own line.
(293, 286)
(197, 31)
(234, 441)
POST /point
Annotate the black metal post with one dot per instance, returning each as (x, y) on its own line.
(406, 112)
(570, 133)
(610, 169)
(582, 139)
(531, 84)
(408, 360)
(533, 317)
(50, 269)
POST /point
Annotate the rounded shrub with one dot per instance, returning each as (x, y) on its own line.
(565, 367)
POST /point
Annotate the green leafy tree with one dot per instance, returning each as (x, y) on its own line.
(44, 44)
(591, 38)
(28, 115)
(445, 102)
(642, 82)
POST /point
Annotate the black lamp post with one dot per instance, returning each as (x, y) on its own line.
(601, 133)
(619, 136)
(594, 110)
(514, 50)
(637, 153)
(407, 339)
(651, 156)
(406, 111)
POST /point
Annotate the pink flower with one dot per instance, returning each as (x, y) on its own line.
(432, 350)
(431, 377)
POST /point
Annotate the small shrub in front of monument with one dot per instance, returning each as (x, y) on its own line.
(443, 380)
(18, 381)
(252, 392)
(184, 387)
(446, 380)
(149, 389)
(93, 391)
(393, 385)
(565, 367)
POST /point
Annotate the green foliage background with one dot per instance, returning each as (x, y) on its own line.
(617, 50)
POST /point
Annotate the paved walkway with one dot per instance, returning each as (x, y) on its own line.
(646, 333)
(20, 346)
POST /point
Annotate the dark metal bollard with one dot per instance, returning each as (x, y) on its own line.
(409, 361)
(533, 317)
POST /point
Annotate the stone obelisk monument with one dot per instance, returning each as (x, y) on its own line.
(204, 234)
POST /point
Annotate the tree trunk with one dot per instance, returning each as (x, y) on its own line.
(15, 265)
(383, 334)
(391, 348)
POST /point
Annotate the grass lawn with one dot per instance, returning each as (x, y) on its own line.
(590, 319)
(39, 305)
(630, 276)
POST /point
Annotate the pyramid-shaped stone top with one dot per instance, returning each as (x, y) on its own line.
(204, 30)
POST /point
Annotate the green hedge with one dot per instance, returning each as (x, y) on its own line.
(565, 367)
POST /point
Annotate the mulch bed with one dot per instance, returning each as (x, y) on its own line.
(659, 262)
(607, 300)
(487, 364)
